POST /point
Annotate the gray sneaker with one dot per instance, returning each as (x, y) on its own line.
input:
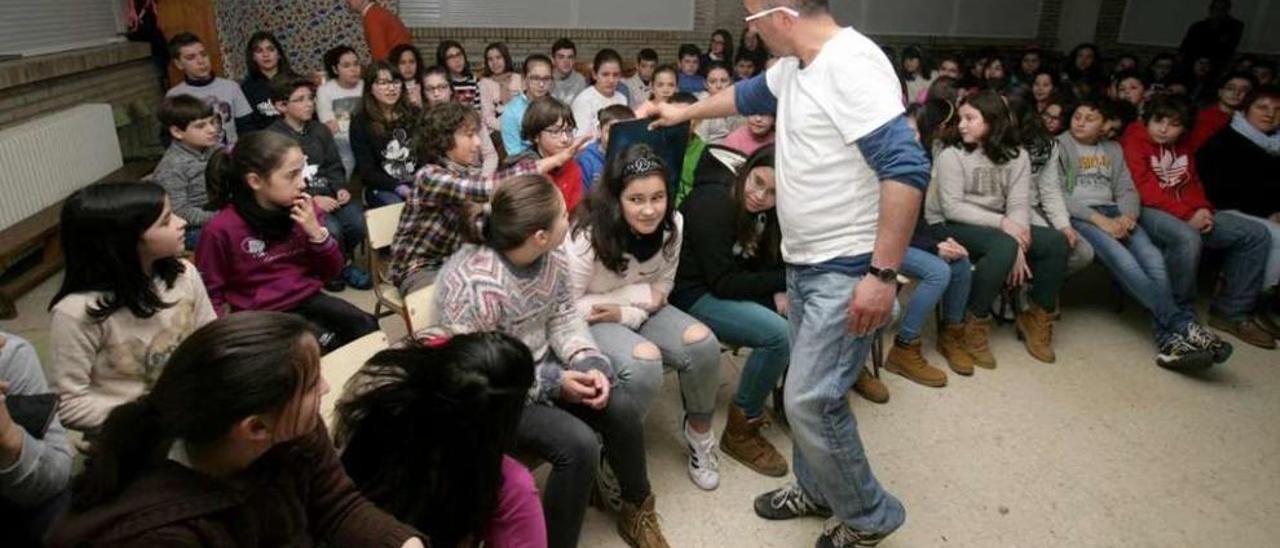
(835, 534)
(789, 502)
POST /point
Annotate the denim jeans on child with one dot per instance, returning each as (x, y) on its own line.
(1138, 265)
(829, 461)
(1246, 245)
(697, 363)
(938, 280)
(764, 331)
(347, 225)
(1271, 275)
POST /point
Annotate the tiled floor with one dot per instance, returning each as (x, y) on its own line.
(1099, 449)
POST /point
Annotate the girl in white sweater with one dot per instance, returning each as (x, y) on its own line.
(623, 253)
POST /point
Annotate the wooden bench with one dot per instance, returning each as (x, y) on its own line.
(31, 250)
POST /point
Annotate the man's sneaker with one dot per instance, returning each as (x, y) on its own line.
(356, 277)
(1179, 354)
(835, 534)
(789, 502)
(704, 464)
(1202, 338)
(1246, 330)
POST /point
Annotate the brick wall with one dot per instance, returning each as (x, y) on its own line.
(121, 75)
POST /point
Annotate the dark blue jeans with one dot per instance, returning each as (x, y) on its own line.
(1245, 243)
(939, 281)
(347, 225)
(764, 331)
(1138, 265)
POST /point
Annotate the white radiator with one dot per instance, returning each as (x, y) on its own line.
(46, 159)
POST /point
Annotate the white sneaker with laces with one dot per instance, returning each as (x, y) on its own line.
(704, 463)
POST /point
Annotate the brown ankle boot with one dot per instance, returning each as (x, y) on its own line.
(742, 440)
(907, 360)
(1035, 329)
(871, 388)
(638, 525)
(977, 334)
(951, 346)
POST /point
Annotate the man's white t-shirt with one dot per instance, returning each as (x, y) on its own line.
(828, 196)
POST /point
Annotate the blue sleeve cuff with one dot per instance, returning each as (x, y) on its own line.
(752, 96)
(893, 152)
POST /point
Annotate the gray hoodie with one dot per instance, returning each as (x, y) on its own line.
(973, 190)
(1104, 181)
(181, 173)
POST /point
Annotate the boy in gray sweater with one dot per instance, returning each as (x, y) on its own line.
(1104, 208)
(196, 134)
(34, 466)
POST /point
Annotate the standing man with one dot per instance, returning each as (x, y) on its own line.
(382, 29)
(850, 178)
(1216, 37)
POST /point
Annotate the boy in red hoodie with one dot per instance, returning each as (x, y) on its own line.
(1180, 219)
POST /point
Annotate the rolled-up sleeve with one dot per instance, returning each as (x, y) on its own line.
(894, 153)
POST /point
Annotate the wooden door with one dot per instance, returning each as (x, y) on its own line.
(194, 16)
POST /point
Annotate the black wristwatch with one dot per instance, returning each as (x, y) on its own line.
(886, 275)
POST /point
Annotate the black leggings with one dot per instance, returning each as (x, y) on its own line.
(340, 322)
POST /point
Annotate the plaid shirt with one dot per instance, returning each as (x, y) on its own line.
(429, 228)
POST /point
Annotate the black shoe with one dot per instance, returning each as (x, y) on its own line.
(1178, 354)
(836, 534)
(335, 285)
(1200, 336)
(789, 502)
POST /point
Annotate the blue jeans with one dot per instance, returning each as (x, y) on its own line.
(379, 198)
(347, 225)
(939, 281)
(829, 461)
(1138, 265)
(1271, 276)
(765, 332)
(1246, 245)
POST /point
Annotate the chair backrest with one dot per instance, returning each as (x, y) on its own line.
(382, 222)
(421, 305)
(339, 366)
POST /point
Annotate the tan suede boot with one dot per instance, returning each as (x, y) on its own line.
(638, 525)
(1035, 329)
(951, 346)
(977, 334)
(871, 388)
(907, 360)
(742, 440)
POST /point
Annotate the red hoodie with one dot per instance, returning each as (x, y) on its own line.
(1164, 175)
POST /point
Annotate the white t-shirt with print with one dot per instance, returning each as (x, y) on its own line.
(828, 196)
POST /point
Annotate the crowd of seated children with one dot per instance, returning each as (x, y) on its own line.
(568, 82)
(731, 278)
(592, 158)
(294, 99)
(264, 59)
(515, 277)
(127, 300)
(538, 83)
(606, 72)
(229, 448)
(35, 456)
(427, 434)
(268, 248)
(499, 85)
(339, 98)
(198, 80)
(466, 89)
(428, 233)
(1239, 161)
(622, 254)
(382, 137)
(196, 133)
(409, 69)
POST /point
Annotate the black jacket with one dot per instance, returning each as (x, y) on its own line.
(709, 262)
(1238, 174)
(322, 156)
(384, 159)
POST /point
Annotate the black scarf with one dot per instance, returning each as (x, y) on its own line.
(273, 225)
(644, 246)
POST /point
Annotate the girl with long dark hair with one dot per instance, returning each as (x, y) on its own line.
(227, 449)
(382, 136)
(126, 301)
(264, 59)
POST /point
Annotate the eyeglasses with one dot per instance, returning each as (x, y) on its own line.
(386, 82)
(771, 11)
(433, 89)
(566, 131)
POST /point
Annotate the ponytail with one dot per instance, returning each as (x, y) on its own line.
(132, 440)
(476, 217)
(521, 206)
(259, 152)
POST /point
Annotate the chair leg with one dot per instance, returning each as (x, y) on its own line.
(877, 352)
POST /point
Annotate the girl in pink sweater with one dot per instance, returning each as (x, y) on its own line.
(267, 249)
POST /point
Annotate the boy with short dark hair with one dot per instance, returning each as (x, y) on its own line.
(224, 96)
(1232, 90)
(195, 131)
(1179, 218)
(690, 62)
(294, 99)
(640, 84)
(568, 83)
(592, 158)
